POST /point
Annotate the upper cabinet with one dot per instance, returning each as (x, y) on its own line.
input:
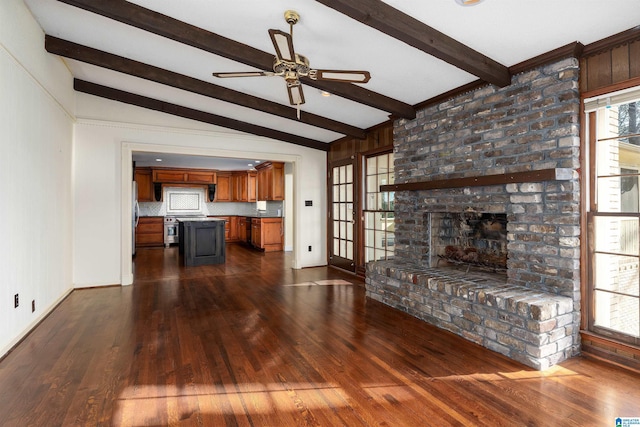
(145, 184)
(245, 186)
(265, 183)
(184, 176)
(270, 181)
(224, 187)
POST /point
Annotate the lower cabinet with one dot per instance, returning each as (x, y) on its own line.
(262, 233)
(267, 234)
(150, 231)
(230, 227)
(202, 242)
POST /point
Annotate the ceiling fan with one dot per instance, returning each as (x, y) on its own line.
(292, 66)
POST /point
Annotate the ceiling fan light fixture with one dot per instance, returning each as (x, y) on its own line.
(468, 2)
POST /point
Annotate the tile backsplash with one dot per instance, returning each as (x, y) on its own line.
(275, 208)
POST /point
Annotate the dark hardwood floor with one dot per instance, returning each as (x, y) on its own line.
(254, 343)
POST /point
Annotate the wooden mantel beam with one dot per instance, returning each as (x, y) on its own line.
(557, 174)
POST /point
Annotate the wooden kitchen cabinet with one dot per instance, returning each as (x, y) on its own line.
(184, 176)
(200, 177)
(242, 229)
(224, 187)
(143, 177)
(150, 231)
(245, 186)
(230, 227)
(267, 234)
(270, 178)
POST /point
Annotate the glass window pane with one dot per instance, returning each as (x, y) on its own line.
(336, 229)
(618, 194)
(618, 235)
(370, 254)
(343, 229)
(372, 182)
(343, 175)
(369, 238)
(369, 220)
(383, 163)
(336, 193)
(617, 312)
(343, 212)
(349, 193)
(617, 273)
(336, 211)
(371, 165)
(378, 221)
(372, 199)
(349, 253)
(343, 248)
(379, 243)
(349, 174)
(336, 247)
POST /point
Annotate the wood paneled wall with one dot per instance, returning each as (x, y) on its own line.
(377, 137)
(610, 66)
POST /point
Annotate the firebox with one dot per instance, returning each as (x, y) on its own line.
(472, 240)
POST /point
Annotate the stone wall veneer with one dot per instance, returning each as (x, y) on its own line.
(532, 124)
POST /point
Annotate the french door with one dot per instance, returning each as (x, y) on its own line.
(342, 215)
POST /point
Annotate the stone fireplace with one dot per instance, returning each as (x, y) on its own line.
(503, 162)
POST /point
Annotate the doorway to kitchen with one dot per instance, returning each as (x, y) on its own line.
(126, 192)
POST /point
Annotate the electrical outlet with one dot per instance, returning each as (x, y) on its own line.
(33, 305)
(16, 301)
(309, 248)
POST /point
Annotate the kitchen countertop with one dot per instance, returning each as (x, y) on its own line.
(198, 219)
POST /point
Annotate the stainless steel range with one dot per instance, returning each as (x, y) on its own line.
(171, 234)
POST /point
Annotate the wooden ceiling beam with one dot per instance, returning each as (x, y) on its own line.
(99, 58)
(190, 113)
(157, 23)
(403, 27)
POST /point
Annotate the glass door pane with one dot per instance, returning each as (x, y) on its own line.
(342, 210)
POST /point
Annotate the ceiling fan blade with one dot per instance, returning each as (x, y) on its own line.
(244, 74)
(283, 43)
(296, 97)
(341, 76)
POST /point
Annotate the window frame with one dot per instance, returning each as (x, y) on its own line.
(364, 211)
(591, 213)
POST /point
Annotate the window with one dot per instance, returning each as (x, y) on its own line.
(614, 215)
(379, 220)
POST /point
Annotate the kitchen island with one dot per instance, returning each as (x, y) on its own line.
(202, 241)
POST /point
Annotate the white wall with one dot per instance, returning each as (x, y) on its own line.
(107, 130)
(36, 131)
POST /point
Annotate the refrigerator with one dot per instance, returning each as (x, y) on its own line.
(135, 215)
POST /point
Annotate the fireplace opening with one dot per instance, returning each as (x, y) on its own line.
(469, 239)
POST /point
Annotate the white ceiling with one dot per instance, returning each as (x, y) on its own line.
(507, 31)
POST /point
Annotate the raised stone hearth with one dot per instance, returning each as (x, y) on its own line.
(531, 311)
(530, 326)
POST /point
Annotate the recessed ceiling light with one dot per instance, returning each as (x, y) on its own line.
(324, 93)
(158, 160)
(256, 161)
(468, 2)
(250, 165)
